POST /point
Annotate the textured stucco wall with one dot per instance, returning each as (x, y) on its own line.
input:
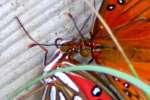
(45, 21)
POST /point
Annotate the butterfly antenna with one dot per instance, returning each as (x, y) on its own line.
(75, 24)
(85, 22)
(30, 37)
(27, 33)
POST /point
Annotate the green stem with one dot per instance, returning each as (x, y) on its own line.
(102, 69)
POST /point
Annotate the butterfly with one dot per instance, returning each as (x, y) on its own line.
(119, 16)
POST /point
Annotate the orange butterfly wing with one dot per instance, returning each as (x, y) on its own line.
(130, 22)
(129, 91)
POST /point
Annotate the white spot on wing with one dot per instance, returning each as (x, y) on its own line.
(63, 77)
(96, 90)
(53, 63)
(53, 93)
(77, 98)
(62, 97)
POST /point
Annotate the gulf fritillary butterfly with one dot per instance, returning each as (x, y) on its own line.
(129, 20)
